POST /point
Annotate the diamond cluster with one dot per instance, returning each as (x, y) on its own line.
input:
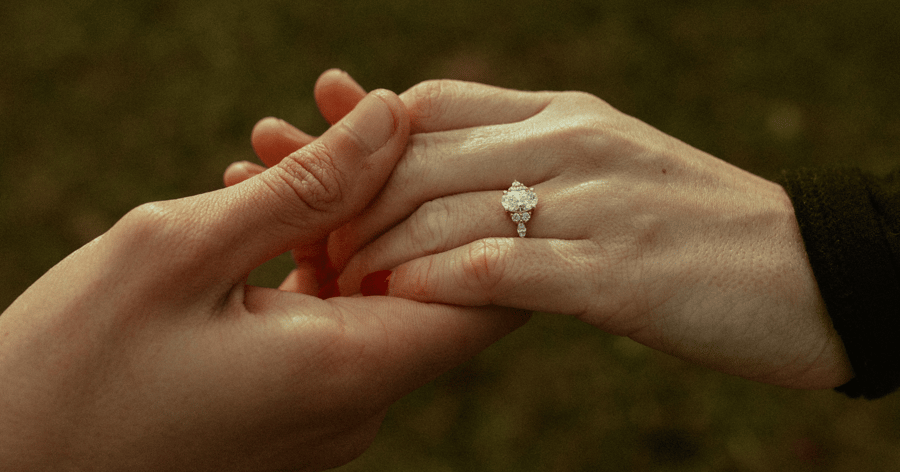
(519, 200)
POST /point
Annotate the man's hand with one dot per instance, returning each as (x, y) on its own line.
(145, 350)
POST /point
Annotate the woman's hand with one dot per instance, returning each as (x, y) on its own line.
(635, 232)
(145, 350)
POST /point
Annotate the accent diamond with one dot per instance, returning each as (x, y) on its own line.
(521, 230)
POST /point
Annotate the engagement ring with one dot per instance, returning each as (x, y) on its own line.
(519, 200)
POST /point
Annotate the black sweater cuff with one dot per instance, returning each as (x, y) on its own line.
(850, 225)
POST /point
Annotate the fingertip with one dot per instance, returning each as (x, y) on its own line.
(240, 171)
(273, 139)
(417, 280)
(336, 94)
(298, 282)
(339, 77)
(374, 121)
(390, 98)
(272, 125)
(397, 108)
(264, 125)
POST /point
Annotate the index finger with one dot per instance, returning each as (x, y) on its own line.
(442, 105)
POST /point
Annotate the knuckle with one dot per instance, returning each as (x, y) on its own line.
(596, 130)
(427, 99)
(309, 179)
(420, 284)
(420, 163)
(591, 112)
(429, 225)
(153, 222)
(584, 98)
(579, 139)
(408, 172)
(579, 116)
(579, 128)
(485, 264)
(422, 151)
(162, 227)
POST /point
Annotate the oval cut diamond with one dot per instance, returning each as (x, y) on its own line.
(519, 198)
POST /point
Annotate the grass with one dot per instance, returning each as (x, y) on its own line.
(106, 105)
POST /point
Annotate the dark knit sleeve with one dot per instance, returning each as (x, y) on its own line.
(850, 223)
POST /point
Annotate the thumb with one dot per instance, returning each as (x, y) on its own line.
(317, 188)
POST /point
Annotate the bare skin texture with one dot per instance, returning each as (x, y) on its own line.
(145, 350)
(635, 232)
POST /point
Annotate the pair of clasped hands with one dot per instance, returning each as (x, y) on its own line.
(146, 350)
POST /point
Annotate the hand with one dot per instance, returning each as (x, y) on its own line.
(144, 350)
(635, 232)
(336, 95)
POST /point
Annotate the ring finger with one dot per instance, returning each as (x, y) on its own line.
(449, 222)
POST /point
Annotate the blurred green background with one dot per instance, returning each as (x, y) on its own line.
(105, 105)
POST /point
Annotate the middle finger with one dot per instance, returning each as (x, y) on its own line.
(444, 164)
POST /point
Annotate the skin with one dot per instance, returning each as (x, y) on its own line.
(145, 349)
(635, 232)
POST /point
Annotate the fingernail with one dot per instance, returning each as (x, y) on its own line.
(330, 290)
(375, 283)
(372, 120)
(325, 270)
